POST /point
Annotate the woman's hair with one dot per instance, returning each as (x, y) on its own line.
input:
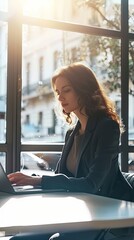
(91, 95)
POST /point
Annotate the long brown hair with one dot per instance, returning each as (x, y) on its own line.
(92, 96)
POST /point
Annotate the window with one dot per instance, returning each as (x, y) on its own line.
(41, 68)
(40, 121)
(27, 119)
(81, 12)
(78, 30)
(56, 59)
(28, 77)
(3, 80)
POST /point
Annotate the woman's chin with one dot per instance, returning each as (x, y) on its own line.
(66, 111)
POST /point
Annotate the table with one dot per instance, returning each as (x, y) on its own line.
(62, 212)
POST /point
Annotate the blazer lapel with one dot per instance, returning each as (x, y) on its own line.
(67, 147)
(91, 124)
(87, 135)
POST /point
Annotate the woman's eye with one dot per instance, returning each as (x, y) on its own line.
(66, 90)
(62, 92)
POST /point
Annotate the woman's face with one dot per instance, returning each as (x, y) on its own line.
(66, 95)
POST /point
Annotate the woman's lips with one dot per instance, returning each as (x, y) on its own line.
(64, 105)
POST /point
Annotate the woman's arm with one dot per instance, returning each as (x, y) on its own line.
(107, 141)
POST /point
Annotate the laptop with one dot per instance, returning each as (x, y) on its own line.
(7, 187)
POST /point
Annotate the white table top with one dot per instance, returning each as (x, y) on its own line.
(62, 212)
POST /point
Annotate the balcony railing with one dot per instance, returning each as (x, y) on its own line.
(37, 89)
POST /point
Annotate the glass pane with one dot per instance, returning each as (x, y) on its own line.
(3, 159)
(4, 5)
(39, 162)
(119, 160)
(131, 16)
(131, 93)
(3, 79)
(43, 51)
(92, 12)
(131, 162)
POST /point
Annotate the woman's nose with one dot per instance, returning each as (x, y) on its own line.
(60, 97)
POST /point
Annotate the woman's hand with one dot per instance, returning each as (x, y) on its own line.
(19, 178)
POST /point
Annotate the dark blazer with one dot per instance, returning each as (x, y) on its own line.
(97, 165)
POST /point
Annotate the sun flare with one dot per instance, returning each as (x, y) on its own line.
(38, 7)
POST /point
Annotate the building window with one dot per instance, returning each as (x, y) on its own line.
(56, 59)
(27, 119)
(41, 68)
(28, 69)
(40, 120)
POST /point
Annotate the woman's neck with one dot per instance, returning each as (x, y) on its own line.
(83, 118)
(83, 122)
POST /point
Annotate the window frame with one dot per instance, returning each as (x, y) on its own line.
(13, 146)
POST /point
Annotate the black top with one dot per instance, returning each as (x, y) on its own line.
(71, 163)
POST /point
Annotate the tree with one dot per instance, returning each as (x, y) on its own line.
(107, 51)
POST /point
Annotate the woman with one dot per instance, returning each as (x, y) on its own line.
(89, 161)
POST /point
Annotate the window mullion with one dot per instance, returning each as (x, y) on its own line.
(14, 86)
(124, 82)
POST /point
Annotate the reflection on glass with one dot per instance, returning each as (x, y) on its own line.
(97, 13)
(3, 159)
(131, 16)
(39, 162)
(119, 160)
(131, 161)
(131, 93)
(44, 50)
(3, 79)
(4, 5)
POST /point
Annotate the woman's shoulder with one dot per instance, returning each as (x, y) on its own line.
(106, 123)
(108, 120)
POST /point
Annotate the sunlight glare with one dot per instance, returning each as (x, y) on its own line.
(38, 8)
